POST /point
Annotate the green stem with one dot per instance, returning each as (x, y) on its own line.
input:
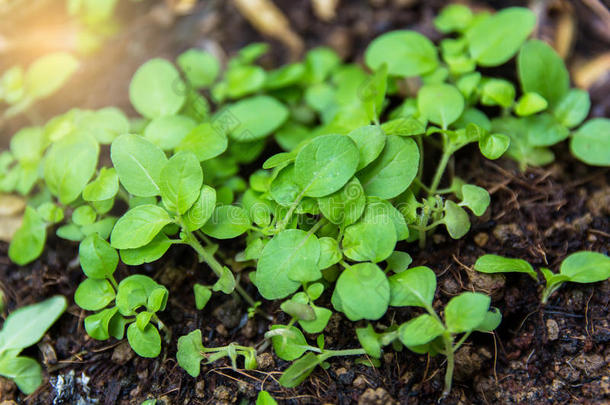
(162, 326)
(345, 352)
(450, 363)
(113, 282)
(282, 225)
(440, 170)
(461, 341)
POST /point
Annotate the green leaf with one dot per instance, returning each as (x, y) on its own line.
(146, 343)
(370, 141)
(346, 205)
(497, 264)
(329, 252)
(497, 92)
(226, 282)
(148, 253)
(143, 319)
(264, 398)
(48, 74)
(50, 212)
(413, 287)
(492, 320)
(466, 311)
(586, 267)
(373, 238)
(69, 165)
(456, 220)
(476, 198)
(138, 164)
(28, 242)
(300, 370)
(206, 141)
(93, 294)
(190, 353)
(591, 142)
(399, 261)
(26, 325)
(157, 299)
(350, 286)
(393, 171)
(369, 340)
(320, 62)
(242, 80)
(83, 215)
(287, 259)
(167, 132)
(202, 295)
(322, 316)
(530, 103)
(24, 371)
(200, 67)
(495, 39)
(493, 146)
(301, 311)
(28, 144)
(104, 187)
(134, 292)
(289, 345)
(202, 209)
(97, 258)
(542, 71)
(97, 325)
(181, 181)
(421, 330)
(252, 118)
(156, 89)
(285, 76)
(372, 92)
(138, 226)
(454, 17)
(573, 108)
(404, 126)
(227, 222)
(544, 130)
(406, 53)
(107, 124)
(440, 103)
(325, 164)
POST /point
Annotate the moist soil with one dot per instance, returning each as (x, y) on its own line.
(559, 353)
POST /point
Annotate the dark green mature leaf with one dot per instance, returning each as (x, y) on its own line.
(498, 264)
(495, 39)
(393, 171)
(350, 286)
(26, 325)
(542, 71)
(138, 226)
(180, 182)
(97, 258)
(156, 89)
(466, 311)
(586, 267)
(138, 164)
(325, 164)
(28, 242)
(591, 143)
(286, 260)
(69, 165)
(406, 53)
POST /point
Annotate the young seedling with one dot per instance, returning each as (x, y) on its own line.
(23, 328)
(579, 267)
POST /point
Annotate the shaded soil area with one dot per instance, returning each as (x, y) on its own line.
(559, 353)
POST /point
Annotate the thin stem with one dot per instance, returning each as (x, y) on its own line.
(440, 170)
(450, 363)
(113, 282)
(282, 225)
(345, 352)
(461, 341)
(162, 326)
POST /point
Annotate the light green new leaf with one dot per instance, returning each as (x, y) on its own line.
(317, 325)
(421, 330)
(399, 261)
(69, 165)
(104, 187)
(97, 258)
(369, 340)
(28, 242)
(492, 320)
(370, 141)
(147, 342)
(300, 370)
(544, 130)
(406, 53)
(181, 181)
(586, 267)
(26, 325)
(202, 209)
(492, 146)
(97, 325)
(530, 103)
(329, 252)
(287, 259)
(454, 17)
(107, 124)
(24, 371)
(573, 108)
(206, 141)
(542, 71)
(264, 398)
(252, 118)
(202, 295)
(456, 220)
(200, 67)
(138, 164)
(156, 89)
(466, 311)
(167, 132)
(138, 226)
(359, 278)
(48, 74)
(191, 352)
(591, 143)
(93, 294)
(413, 287)
(373, 238)
(498, 264)
(325, 164)
(393, 171)
(148, 253)
(241, 80)
(135, 292)
(476, 198)
(497, 92)
(28, 144)
(440, 103)
(495, 39)
(290, 345)
(226, 281)
(227, 222)
(83, 215)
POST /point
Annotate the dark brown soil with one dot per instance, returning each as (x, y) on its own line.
(559, 353)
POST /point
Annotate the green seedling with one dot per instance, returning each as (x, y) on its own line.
(264, 398)
(579, 267)
(23, 328)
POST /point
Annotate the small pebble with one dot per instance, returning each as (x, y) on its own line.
(552, 329)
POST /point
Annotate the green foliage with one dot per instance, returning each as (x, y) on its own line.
(23, 328)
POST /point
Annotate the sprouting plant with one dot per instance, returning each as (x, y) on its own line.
(23, 328)
(264, 398)
(579, 267)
